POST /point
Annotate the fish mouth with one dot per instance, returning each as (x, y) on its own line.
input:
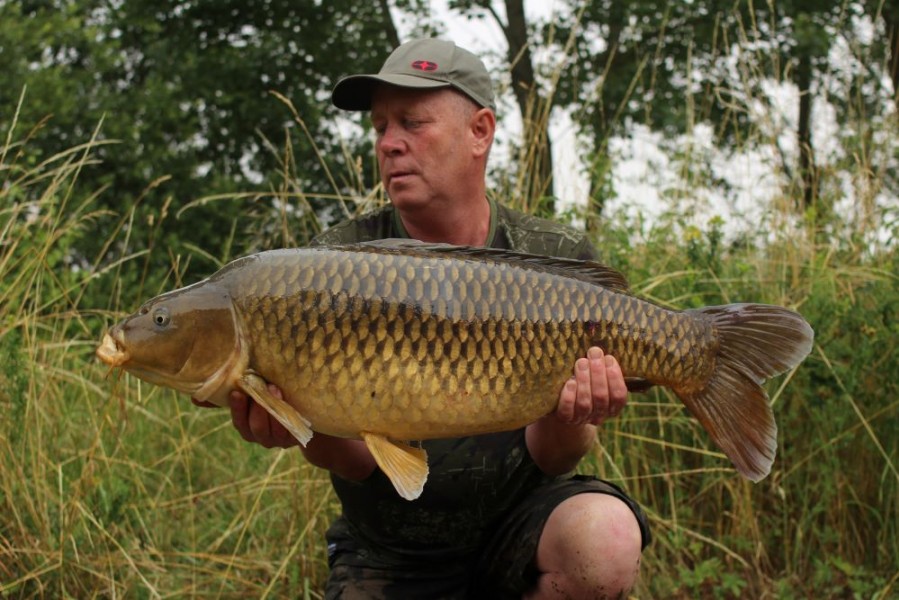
(110, 351)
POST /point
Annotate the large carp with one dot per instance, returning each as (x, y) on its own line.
(396, 341)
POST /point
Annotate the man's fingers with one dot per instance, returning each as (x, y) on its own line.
(255, 424)
(617, 386)
(240, 408)
(203, 403)
(595, 392)
(599, 385)
(583, 405)
(260, 424)
(610, 393)
(567, 399)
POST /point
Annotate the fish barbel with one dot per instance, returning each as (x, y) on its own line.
(397, 340)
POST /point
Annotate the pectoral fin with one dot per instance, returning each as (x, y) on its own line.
(287, 415)
(404, 465)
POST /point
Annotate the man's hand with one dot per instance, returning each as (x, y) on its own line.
(347, 458)
(254, 423)
(595, 393)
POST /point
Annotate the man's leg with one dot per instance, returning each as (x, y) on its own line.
(590, 548)
(560, 528)
(359, 573)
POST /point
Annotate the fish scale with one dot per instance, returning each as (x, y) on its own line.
(404, 318)
(473, 347)
(396, 340)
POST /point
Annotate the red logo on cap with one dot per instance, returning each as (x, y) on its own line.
(424, 65)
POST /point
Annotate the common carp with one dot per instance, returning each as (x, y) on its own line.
(397, 341)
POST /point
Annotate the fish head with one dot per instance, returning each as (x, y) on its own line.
(183, 340)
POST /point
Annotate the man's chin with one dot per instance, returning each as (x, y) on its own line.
(405, 198)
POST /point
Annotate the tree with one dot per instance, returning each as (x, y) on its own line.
(889, 11)
(670, 65)
(186, 90)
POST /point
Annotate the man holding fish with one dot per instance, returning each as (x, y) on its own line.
(420, 354)
(500, 515)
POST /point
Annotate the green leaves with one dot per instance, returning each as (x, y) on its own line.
(185, 90)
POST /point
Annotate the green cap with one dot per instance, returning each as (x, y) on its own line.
(421, 64)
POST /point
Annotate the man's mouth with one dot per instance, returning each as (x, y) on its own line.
(398, 176)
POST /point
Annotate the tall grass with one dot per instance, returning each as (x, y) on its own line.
(114, 488)
(824, 523)
(109, 487)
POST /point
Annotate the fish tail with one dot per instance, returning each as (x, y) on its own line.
(756, 342)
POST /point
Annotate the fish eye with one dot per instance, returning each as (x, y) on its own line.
(161, 317)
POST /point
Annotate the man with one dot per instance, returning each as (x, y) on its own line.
(499, 516)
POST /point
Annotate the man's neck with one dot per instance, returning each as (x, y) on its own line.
(464, 225)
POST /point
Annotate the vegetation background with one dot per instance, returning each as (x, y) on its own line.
(144, 144)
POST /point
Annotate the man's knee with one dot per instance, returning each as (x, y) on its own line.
(592, 542)
(606, 525)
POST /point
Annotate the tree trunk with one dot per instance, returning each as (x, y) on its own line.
(891, 20)
(601, 165)
(392, 35)
(537, 167)
(808, 172)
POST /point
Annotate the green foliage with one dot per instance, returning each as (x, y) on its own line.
(13, 382)
(709, 579)
(674, 65)
(824, 523)
(105, 484)
(185, 88)
(663, 63)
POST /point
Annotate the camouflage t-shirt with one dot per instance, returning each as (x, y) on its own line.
(473, 480)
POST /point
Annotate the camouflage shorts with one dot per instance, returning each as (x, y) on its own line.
(503, 568)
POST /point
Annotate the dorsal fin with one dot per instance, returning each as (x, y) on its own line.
(583, 270)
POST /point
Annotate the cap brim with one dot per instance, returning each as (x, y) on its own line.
(355, 91)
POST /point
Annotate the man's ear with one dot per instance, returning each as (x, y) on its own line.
(483, 127)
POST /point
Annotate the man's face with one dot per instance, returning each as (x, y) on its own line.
(424, 144)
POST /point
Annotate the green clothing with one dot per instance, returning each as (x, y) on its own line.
(474, 482)
(509, 230)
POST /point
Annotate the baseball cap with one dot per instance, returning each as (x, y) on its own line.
(427, 63)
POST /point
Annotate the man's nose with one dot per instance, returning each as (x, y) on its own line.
(390, 142)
